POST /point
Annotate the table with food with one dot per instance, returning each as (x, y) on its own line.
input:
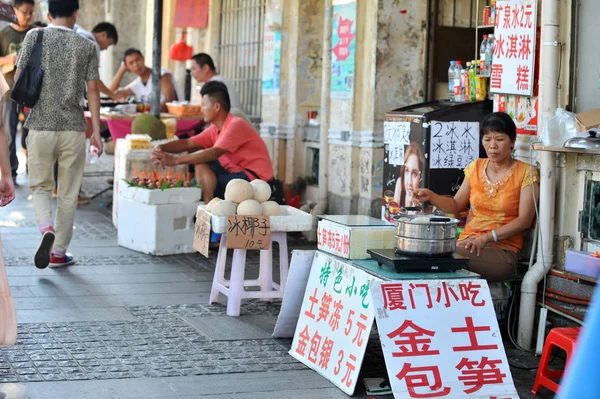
(119, 117)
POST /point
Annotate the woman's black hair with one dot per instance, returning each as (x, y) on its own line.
(499, 122)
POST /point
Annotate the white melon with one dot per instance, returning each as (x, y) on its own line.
(212, 203)
(270, 208)
(238, 191)
(224, 208)
(262, 190)
(249, 207)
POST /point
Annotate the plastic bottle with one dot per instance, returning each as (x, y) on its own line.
(472, 85)
(489, 54)
(451, 81)
(93, 154)
(493, 12)
(459, 95)
(482, 49)
(467, 82)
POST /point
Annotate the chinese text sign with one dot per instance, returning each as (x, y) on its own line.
(396, 135)
(248, 232)
(335, 321)
(271, 59)
(454, 145)
(514, 47)
(191, 14)
(343, 50)
(441, 339)
(333, 240)
(202, 232)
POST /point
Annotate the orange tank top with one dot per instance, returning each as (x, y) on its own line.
(494, 205)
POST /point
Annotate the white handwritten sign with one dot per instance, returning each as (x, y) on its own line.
(514, 47)
(335, 321)
(440, 338)
(454, 145)
(396, 135)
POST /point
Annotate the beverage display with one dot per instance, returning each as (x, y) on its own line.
(451, 81)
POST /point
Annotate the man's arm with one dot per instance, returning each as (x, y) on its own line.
(204, 156)
(167, 89)
(114, 85)
(94, 105)
(105, 90)
(10, 59)
(179, 146)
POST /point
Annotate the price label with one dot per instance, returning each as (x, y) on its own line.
(202, 232)
(248, 232)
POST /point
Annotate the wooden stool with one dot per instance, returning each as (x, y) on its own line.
(234, 288)
(564, 338)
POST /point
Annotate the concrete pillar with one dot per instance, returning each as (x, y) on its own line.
(133, 31)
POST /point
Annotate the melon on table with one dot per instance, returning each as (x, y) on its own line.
(212, 203)
(270, 208)
(224, 208)
(262, 190)
(238, 191)
(249, 207)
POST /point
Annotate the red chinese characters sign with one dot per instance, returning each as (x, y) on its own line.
(191, 14)
(333, 240)
(440, 339)
(335, 321)
(513, 67)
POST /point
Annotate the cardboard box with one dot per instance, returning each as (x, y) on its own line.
(588, 120)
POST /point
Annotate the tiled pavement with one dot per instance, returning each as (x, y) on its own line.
(121, 324)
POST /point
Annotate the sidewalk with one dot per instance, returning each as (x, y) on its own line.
(120, 324)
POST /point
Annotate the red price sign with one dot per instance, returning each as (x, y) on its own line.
(191, 14)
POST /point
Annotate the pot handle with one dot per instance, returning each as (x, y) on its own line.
(411, 209)
(439, 219)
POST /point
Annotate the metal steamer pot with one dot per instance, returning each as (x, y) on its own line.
(425, 235)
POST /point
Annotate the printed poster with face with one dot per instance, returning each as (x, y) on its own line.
(404, 164)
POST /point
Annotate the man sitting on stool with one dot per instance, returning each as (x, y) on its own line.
(230, 147)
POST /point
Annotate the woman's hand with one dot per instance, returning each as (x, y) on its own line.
(7, 190)
(474, 245)
(421, 195)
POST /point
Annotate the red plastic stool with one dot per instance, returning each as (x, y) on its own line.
(564, 338)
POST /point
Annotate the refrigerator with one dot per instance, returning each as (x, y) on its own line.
(429, 145)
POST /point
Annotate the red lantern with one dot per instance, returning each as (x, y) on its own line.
(181, 51)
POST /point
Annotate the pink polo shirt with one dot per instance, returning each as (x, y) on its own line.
(245, 149)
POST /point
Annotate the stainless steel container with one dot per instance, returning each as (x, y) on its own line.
(425, 235)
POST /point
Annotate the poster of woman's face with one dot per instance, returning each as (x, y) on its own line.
(408, 177)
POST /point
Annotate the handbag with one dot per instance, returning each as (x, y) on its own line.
(28, 85)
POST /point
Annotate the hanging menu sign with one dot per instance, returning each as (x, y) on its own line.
(514, 47)
(396, 135)
(454, 145)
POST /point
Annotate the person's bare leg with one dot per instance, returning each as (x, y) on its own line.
(207, 179)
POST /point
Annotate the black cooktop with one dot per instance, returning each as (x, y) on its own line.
(403, 263)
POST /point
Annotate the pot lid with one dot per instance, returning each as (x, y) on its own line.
(426, 219)
(592, 142)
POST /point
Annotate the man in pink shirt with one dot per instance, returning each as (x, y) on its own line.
(229, 149)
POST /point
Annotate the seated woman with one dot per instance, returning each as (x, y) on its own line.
(500, 190)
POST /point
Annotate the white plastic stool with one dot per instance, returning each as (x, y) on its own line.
(234, 288)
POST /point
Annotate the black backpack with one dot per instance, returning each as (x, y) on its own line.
(28, 85)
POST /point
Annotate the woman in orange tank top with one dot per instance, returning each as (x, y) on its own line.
(500, 190)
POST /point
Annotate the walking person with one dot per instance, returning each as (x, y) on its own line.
(8, 318)
(57, 127)
(11, 41)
